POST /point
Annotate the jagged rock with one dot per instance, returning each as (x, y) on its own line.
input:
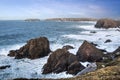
(60, 60)
(106, 23)
(88, 52)
(108, 40)
(35, 48)
(12, 53)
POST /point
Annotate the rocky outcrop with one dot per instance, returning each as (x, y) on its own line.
(12, 53)
(106, 23)
(35, 48)
(88, 52)
(110, 72)
(61, 60)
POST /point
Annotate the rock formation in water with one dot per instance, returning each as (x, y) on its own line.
(61, 60)
(88, 52)
(107, 23)
(35, 48)
(4, 67)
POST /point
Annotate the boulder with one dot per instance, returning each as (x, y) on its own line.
(88, 52)
(61, 60)
(35, 48)
(106, 23)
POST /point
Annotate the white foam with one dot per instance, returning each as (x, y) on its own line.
(5, 49)
(99, 38)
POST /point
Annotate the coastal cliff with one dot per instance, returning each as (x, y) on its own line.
(71, 19)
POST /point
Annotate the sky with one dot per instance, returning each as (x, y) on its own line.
(43, 9)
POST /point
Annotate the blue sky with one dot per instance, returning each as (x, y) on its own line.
(22, 9)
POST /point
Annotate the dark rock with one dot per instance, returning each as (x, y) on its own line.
(107, 57)
(103, 50)
(108, 40)
(75, 67)
(106, 23)
(59, 61)
(88, 52)
(35, 48)
(116, 53)
(118, 23)
(53, 60)
(94, 44)
(4, 67)
(12, 53)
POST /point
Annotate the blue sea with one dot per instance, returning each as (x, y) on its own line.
(15, 33)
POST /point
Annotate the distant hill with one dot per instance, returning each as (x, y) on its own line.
(30, 20)
(71, 19)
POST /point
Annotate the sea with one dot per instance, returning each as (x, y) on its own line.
(15, 33)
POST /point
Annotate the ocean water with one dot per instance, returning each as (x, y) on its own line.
(14, 34)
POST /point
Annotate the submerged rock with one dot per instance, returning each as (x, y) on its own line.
(61, 60)
(88, 52)
(35, 48)
(106, 23)
(93, 32)
(4, 67)
(108, 40)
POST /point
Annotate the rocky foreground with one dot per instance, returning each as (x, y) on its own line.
(62, 60)
(110, 71)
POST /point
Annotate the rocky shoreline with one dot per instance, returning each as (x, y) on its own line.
(107, 64)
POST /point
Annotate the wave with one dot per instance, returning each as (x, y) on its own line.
(99, 38)
(4, 50)
(27, 68)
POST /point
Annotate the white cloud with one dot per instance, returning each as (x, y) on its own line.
(97, 9)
